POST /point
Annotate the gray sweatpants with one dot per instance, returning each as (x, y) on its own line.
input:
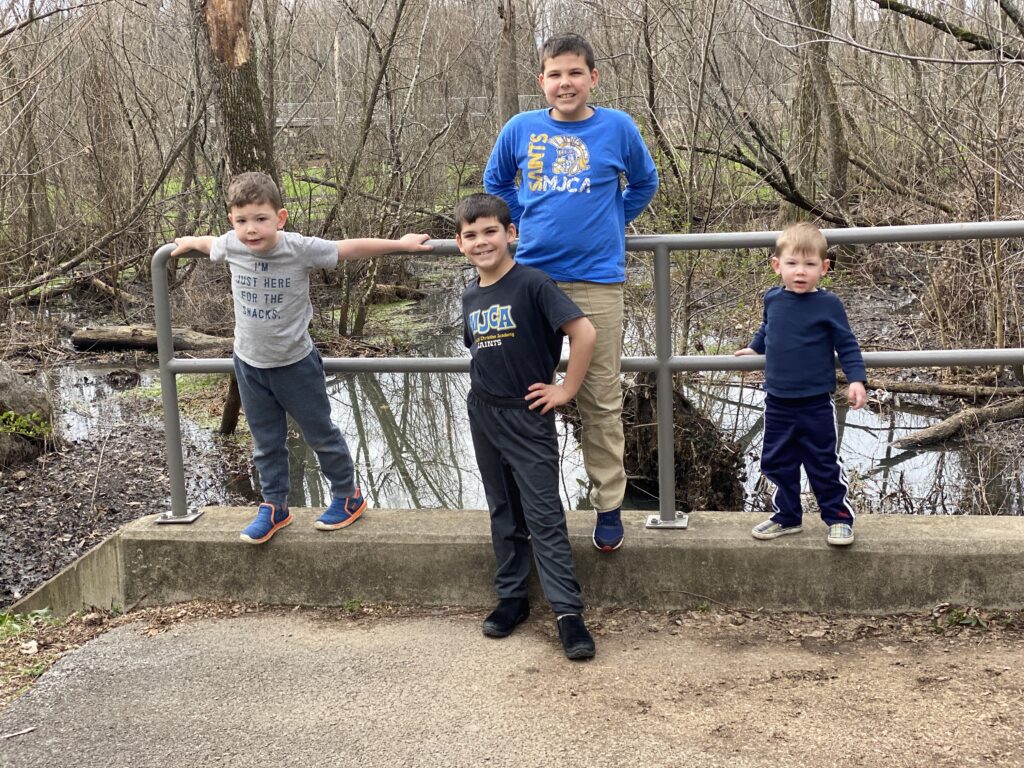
(517, 453)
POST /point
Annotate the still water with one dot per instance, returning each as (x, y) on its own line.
(410, 440)
(409, 436)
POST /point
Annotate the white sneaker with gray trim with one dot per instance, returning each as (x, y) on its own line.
(772, 530)
(840, 535)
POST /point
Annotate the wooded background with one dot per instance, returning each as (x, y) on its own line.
(120, 121)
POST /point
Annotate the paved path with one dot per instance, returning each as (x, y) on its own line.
(316, 689)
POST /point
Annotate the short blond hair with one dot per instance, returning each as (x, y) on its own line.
(802, 237)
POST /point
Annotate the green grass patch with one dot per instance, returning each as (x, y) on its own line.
(32, 425)
(14, 624)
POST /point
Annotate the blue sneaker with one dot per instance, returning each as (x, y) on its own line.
(269, 520)
(342, 512)
(608, 532)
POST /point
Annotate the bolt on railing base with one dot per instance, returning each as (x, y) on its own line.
(655, 521)
(191, 516)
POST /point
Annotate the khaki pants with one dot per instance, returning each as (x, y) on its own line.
(600, 397)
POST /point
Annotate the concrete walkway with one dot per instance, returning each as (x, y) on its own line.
(312, 688)
(422, 687)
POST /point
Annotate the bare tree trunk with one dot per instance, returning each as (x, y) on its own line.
(506, 62)
(241, 115)
(651, 93)
(818, 107)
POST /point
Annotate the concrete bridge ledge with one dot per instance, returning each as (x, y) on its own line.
(444, 557)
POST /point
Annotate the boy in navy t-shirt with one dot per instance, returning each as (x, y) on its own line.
(514, 321)
(804, 328)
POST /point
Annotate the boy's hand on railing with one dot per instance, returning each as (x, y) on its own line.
(185, 244)
(547, 396)
(744, 351)
(415, 243)
(856, 395)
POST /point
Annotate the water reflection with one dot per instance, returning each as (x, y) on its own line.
(103, 403)
(971, 479)
(409, 435)
(411, 444)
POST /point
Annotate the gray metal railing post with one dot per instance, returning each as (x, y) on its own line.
(666, 517)
(179, 512)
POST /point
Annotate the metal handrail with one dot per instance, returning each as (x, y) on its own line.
(664, 363)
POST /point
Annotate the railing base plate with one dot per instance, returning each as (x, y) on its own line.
(190, 517)
(681, 521)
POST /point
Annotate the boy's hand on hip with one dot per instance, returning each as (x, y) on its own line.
(856, 395)
(415, 243)
(547, 396)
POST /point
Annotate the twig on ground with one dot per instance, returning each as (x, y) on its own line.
(17, 733)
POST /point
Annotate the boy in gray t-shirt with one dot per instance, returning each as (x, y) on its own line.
(278, 369)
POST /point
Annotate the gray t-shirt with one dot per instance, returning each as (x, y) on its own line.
(271, 295)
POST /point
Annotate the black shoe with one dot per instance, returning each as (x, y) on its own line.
(510, 613)
(576, 640)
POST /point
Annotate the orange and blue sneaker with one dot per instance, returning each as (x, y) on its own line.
(269, 520)
(342, 512)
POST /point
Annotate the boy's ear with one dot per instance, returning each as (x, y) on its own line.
(231, 220)
(458, 240)
(824, 266)
(593, 78)
(776, 265)
(513, 233)
(282, 217)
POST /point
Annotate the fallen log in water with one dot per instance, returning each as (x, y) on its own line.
(966, 391)
(144, 337)
(969, 418)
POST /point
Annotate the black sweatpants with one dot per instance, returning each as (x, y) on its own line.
(517, 453)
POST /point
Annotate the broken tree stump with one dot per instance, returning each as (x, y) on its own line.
(708, 467)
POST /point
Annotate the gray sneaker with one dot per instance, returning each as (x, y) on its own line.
(840, 535)
(772, 530)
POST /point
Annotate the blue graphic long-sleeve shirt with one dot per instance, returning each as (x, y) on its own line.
(800, 336)
(569, 205)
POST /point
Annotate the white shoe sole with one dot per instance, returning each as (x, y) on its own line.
(776, 534)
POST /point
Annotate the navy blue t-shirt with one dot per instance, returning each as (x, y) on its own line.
(512, 329)
(800, 336)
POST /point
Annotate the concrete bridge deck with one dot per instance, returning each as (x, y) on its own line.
(443, 557)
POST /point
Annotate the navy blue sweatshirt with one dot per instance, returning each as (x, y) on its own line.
(800, 335)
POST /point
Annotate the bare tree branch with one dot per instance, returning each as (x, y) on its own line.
(975, 42)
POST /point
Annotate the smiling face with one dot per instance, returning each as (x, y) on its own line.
(800, 270)
(566, 82)
(485, 243)
(257, 225)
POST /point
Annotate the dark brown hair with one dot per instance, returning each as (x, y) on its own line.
(567, 43)
(480, 206)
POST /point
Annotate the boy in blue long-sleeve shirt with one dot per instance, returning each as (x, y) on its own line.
(804, 328)
(571, 211)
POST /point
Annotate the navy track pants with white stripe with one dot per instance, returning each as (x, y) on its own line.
(803, 432)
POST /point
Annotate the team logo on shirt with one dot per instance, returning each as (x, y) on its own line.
(497, 317)
(572, 159)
